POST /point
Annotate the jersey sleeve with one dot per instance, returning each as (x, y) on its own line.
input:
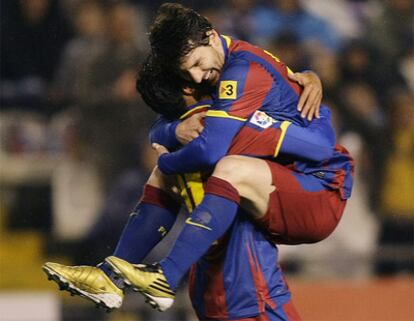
(163, 132)
(206, 150)
(261, 136)
(242, 89)
(314, 143)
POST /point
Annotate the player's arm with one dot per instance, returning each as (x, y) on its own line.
(163, 132)
(205, 151)
(314, 143)
(242, 90)
(261, 137)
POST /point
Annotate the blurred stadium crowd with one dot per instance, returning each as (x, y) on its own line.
(73, 147)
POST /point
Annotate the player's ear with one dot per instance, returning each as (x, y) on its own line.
(188, 91)
(207, 39)
(214, 37)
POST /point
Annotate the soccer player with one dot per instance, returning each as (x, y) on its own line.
(143, 231)
(216, 290)
(300, 204)
(236, 279)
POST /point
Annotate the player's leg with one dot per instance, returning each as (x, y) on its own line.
(295, 208)
(300, 209)
(251, 178)
(151, 219)
(209, 221)
(307, 213)
(231, 179)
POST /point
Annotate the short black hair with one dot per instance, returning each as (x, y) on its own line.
(175, 31)
(161, 89)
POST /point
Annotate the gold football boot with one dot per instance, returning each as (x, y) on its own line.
(86, 281)
(149, 280)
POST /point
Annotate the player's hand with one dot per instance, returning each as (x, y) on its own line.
(190, 128)
(160, 149)
(311, 97)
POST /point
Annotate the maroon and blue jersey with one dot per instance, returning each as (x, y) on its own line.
(239, 277)
(255, 101)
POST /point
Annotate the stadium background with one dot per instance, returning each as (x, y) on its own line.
(73, 148)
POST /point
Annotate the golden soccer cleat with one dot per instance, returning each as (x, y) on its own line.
(149, 280)
(86, 281)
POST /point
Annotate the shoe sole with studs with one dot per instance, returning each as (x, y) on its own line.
(65, 285)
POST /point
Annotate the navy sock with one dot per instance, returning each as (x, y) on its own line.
(150, 221)
(209, 221)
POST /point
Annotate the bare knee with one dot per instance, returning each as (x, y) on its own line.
(156, 178)
(251, 177)
(232, 169)
(164, 182)
(246, 174)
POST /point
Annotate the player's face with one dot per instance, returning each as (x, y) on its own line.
(204, 63)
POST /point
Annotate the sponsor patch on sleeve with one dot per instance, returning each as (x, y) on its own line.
(228, 89)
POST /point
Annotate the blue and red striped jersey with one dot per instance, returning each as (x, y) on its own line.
(239, 276)
(251, 80)
(253, 108)
(254, 79)
(254, 91)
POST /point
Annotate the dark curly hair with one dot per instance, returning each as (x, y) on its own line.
(161, 89)
(175, 31)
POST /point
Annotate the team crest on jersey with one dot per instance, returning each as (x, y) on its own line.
(228, 89)
(261, 119)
